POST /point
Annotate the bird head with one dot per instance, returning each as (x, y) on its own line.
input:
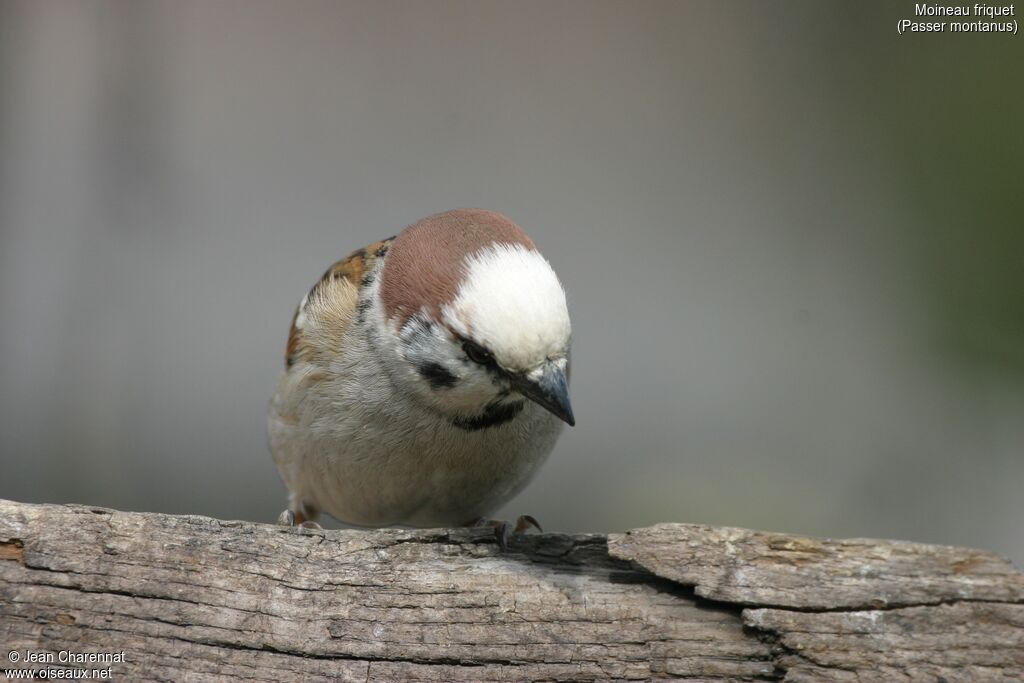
(478, 318)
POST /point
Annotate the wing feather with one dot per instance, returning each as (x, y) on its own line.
(325, 313)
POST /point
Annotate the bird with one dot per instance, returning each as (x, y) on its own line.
(426, 379)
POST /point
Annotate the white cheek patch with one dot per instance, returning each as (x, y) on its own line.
(512, 303)
(437, 370)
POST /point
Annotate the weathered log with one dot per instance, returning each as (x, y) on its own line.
(193, 598)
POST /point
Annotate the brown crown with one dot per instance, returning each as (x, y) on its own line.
(426, 263)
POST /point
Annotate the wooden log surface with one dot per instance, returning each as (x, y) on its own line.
(187, 598)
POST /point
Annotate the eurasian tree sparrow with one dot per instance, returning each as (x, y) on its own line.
(425, 379)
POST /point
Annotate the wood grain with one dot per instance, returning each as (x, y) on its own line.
(198, 599)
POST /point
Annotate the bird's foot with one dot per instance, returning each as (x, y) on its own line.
(503, 530)
(291, 518)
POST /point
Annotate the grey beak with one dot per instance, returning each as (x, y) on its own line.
(550, 391)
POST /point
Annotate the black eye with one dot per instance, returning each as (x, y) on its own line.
(477, 353)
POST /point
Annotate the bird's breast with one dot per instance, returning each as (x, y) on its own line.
(392, 466)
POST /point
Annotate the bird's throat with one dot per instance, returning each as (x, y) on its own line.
(494, 414)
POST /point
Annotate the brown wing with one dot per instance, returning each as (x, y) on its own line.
(320, 321)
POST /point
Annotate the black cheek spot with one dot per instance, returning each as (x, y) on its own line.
(437, 375)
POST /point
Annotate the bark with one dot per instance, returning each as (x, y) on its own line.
(195, 599)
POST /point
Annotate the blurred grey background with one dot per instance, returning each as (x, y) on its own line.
(791, 240)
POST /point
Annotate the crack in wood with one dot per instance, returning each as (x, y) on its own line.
(229, 600)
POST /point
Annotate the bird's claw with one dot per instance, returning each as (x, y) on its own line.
(524, 523)
(504, 531)
(289, 518)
